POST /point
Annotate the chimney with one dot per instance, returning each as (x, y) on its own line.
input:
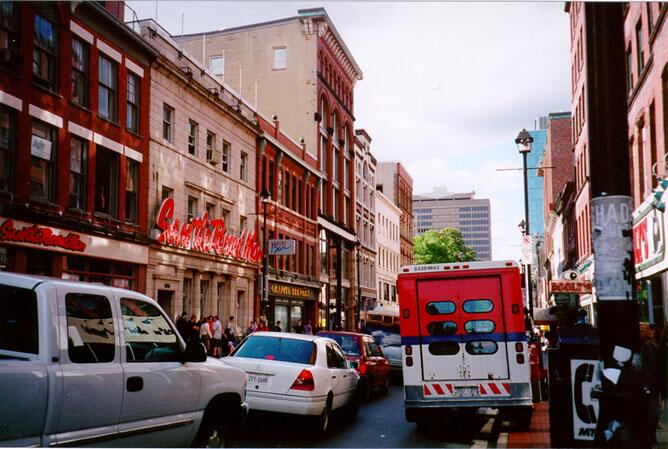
(116, 8)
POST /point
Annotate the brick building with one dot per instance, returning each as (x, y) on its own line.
(74, 133)
(580, 140)
(557, 176)
(202, 186)
(394, 181)
(291, 178)
(300, 70)
(646, 42)
(365, 220)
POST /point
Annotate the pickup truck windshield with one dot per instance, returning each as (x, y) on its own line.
(18, 320)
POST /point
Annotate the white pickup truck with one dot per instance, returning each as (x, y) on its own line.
(91, 365)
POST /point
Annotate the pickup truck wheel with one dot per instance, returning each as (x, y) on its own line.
(213, 431)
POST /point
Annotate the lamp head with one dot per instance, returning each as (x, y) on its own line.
(524, 141)
(265, 196)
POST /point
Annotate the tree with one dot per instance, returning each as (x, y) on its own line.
(446, 245)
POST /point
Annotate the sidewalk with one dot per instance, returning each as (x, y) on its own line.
(538, 434)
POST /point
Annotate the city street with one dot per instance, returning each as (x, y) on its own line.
(380, 423)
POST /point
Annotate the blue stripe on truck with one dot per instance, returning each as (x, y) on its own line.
(463, 338)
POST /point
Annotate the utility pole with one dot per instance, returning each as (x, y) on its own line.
(611, 205)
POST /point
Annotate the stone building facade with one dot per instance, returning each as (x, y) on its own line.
(205, 254)
(388, 239)
(397, 184)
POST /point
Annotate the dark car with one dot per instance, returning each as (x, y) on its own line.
(366, 357)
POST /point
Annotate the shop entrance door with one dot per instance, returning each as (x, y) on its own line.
(281, 314)
(165, 300)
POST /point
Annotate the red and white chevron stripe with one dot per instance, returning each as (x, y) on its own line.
(486, 389)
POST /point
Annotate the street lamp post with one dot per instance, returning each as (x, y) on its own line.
(358, 246)
(265, 197)
(524, 141)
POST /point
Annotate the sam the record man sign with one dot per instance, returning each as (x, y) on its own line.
(205, 235)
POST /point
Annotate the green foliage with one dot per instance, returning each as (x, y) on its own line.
(446, 245)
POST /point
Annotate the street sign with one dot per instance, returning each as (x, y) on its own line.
(567, 286)
(281, 247)
(526, 249)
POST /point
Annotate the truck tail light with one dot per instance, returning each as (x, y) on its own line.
(409, 361)
(304, 381)
(408, 349)
(519, 347)
(520, 358)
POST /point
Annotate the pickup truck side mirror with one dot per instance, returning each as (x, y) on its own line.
(195, 352)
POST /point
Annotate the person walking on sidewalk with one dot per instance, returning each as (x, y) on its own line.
(217, 337)
(653, 381)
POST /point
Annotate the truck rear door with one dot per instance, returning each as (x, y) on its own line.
(461, 328)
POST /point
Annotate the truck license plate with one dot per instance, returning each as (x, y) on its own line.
(257, 380)
(467, 392)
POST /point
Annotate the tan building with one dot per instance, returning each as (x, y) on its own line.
(395, 182)
(202, 168)
(299, 70)
(365, 218)
(388, 238)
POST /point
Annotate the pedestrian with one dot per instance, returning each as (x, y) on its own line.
(193, 327)
(277, 327)
(299, 327)
(262, 326)
(653, 382)
(217, 337)
(308, 329)
(252, 327)
(182, 326)
(231, 327)
(205, 333)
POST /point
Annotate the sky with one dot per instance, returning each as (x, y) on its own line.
(447, 85)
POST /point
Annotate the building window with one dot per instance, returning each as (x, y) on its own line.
(323, 251)
(640, 54)
(629, 70)
(106, 181)
(191, 212)
(80, 54)
(44, 53)
(78, 160)
(280, 58)
(243, 222)
(323, 153)
(210, 147)
(294, 194)
(133, 102)
(131, 190)
(7, 147)
(217, 65)
(43, 156)
(211, 210)
(226, 155)
(193, 129)
(167, 122)
(107, 87)
(243, 167)
(9, 44)
(166, 193)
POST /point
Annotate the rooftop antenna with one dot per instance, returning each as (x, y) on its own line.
(156, 10)
(182, 16)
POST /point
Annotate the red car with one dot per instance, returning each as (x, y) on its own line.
(366, 357)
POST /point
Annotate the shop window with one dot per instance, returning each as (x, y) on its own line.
(106, 182)
(9, 33)
(80, 58)
(167, 122)
(131, 190)
(121, 275)
(90, 329)
(78, 161)
(45, 52)
(147, 333)
(133, 96)
(193, 129)
(107, 88)
(7, 147)
(42, 167)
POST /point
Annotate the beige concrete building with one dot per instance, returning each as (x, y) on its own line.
(202, 167)
(365, 218)
(299, 70)
(388, 239)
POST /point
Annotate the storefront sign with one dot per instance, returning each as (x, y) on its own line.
(40, 235)
(291, 291)
(577, 287)
(648, 237)
(281, 247)
(205, 236)
(20, 233)
(40, 148)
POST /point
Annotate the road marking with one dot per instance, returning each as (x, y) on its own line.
(479, 444)
(487, 428)
(502, 442)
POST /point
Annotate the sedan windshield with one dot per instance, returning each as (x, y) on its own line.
(349, 343)
(277, 348)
